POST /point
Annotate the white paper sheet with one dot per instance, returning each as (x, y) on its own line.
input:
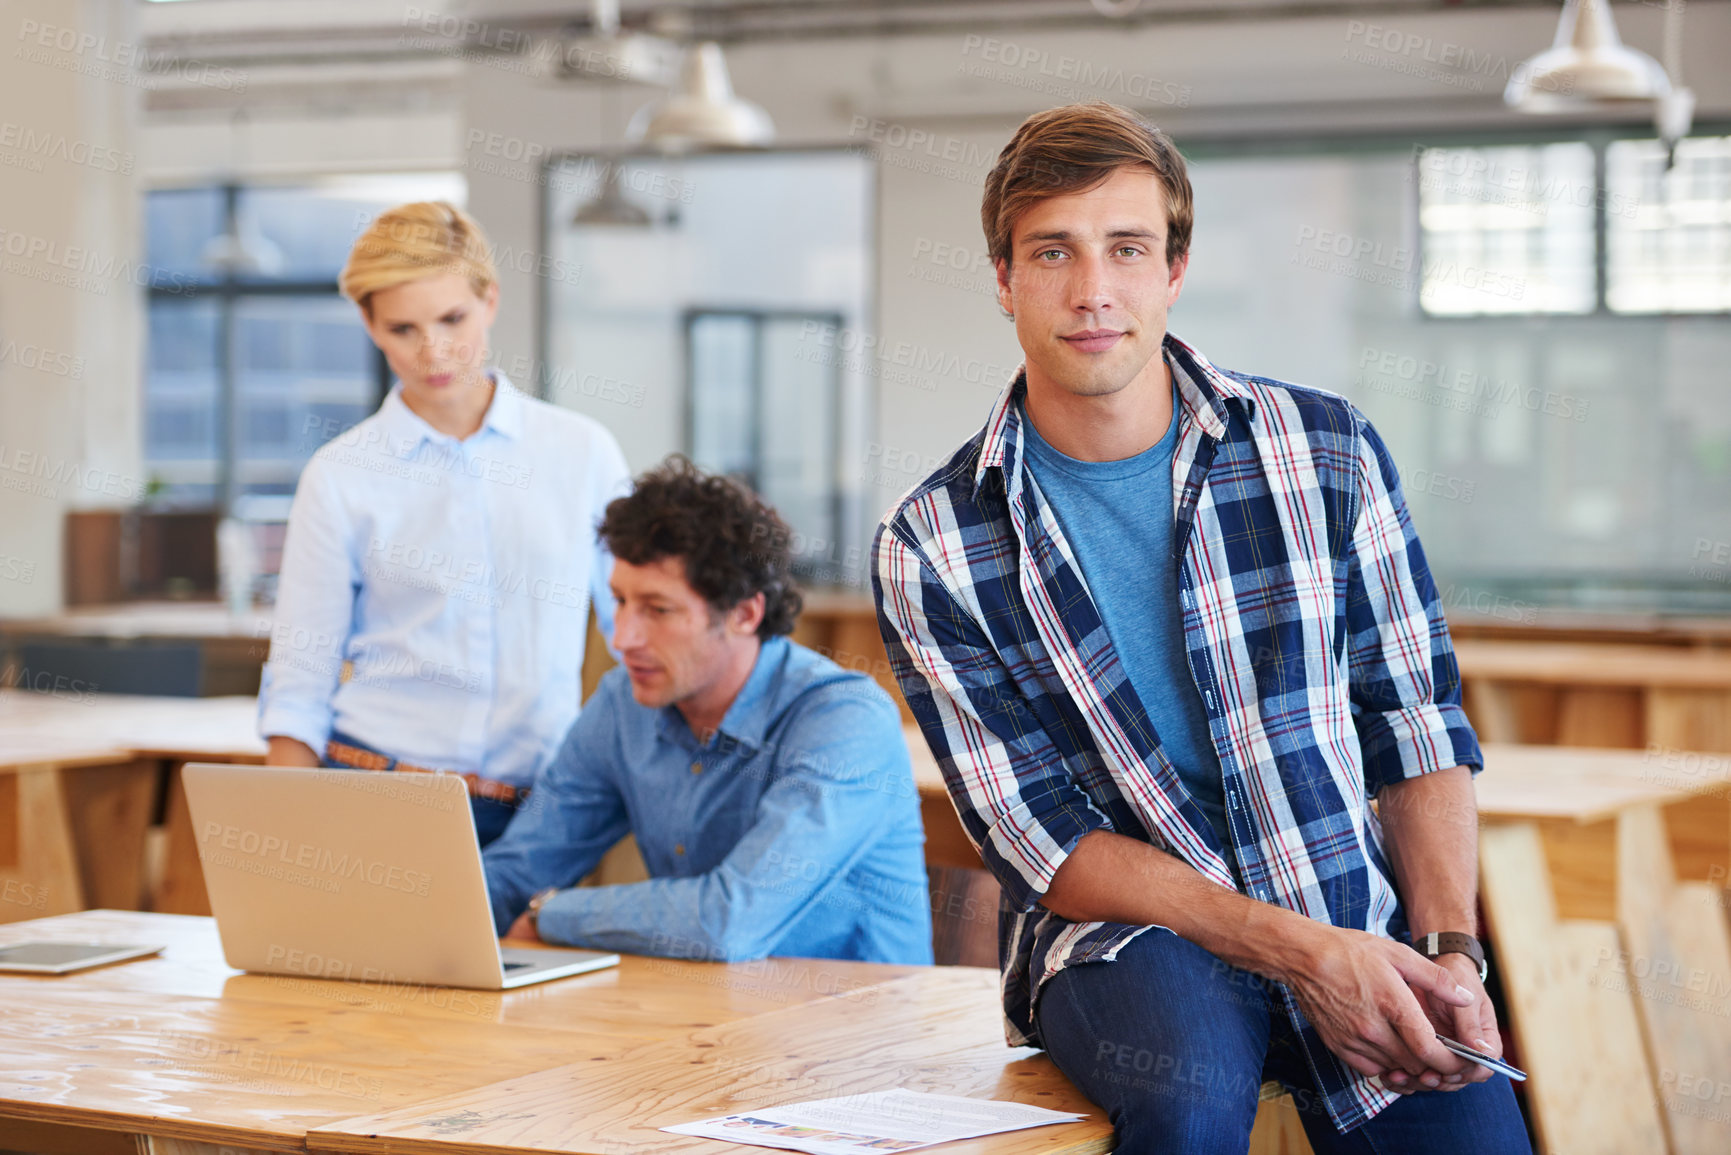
(896, 1120)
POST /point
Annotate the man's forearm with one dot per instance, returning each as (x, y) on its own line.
(1430, 827)
(1111, 878)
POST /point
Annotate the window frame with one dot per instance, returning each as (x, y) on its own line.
(1599, 142)
(1390, 144)
(228, 290)
(759, 318)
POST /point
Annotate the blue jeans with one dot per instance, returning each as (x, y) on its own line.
(491, 815)
(1173, 1044)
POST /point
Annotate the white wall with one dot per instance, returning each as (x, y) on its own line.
(69, 298)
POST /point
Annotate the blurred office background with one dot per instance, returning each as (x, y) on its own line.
(1533, 309)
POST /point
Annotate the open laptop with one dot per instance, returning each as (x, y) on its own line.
(355, 874)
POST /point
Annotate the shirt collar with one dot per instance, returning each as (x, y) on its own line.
(1204, 394)
(749, 716)
(504, 415)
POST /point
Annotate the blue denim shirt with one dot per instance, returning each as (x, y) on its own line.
(795, 830)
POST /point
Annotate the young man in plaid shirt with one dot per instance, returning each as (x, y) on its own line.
(1169, 631)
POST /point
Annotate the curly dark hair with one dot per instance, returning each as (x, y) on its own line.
(733, 543)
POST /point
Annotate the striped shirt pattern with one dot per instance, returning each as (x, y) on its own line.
(1314, 633)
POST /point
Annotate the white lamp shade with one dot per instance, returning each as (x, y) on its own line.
(1587, 66)
(702, 112)
(241, 253)
(611, 208)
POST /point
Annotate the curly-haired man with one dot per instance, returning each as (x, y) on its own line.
(1169, 631)
(769, 789)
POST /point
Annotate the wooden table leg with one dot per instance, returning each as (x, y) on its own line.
(1581, 862)
(1691, 720)
(1677, 961)
(1492, 709)
(182, 890)
(157, 1145)
(1278, 1129)
(1571, 1015)
(110, 810)
(62, 1139)
(39, 873)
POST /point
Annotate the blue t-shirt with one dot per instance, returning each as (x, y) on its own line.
(1117, 516)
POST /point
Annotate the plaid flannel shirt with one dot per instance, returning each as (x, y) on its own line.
(1314, 633)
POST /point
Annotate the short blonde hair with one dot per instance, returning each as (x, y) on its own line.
(414, 241)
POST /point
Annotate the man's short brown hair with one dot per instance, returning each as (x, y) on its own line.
(733, 544)
(1072, 149)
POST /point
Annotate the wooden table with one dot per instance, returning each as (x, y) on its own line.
(1600, 695)
(85, 771)
(188, 729)
(73, 816)
(1601, 875)
(234, 646)
(936, 1030)
(185, 1050)
(1619, 627)
(842, 625)
(1574, 798)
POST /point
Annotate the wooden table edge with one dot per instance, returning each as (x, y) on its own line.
(156, 1127)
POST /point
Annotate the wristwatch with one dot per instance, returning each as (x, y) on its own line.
(535, 904)
(1434, 944)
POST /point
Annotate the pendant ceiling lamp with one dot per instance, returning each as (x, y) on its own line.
(612, 208)
(702, 111)
(1588, 66)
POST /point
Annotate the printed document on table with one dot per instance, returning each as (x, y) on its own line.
(881, 1121)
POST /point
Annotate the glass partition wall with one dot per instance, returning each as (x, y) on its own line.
(716, 305)
(1539, 332)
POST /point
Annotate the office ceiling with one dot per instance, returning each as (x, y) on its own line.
(284, 30)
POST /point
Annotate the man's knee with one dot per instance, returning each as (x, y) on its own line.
(1150, 1091)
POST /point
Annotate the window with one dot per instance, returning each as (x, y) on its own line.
(1571, 459)
(766, 414)
(1506, 230)
(719, 304)
(1669, 233)
(255, 359)
(1517, 230)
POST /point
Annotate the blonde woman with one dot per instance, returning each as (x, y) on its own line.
(443, 549)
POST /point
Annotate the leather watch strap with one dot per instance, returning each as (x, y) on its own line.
(534, 911)
(1453, 942)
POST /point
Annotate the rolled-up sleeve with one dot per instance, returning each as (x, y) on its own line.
(314, 615)
(1019, 804)
(1405, 684)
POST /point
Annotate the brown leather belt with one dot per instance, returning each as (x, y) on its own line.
(479, 787)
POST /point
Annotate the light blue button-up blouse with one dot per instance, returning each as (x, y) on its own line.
(456, 576)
